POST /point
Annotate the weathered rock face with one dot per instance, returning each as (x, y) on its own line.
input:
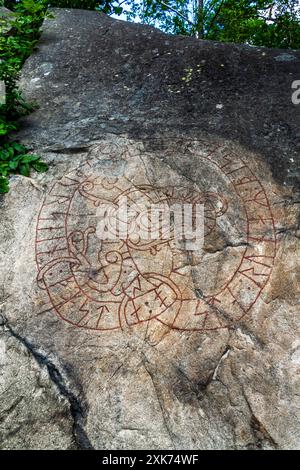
(6, 17)
(5, 12)
(149, 342)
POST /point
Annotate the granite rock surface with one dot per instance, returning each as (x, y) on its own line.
(136, 341)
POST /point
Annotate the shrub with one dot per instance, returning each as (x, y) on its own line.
(15, 46)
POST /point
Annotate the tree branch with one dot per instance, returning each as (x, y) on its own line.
(215, 17)
(200, 19)
(266, 18)
(177, 12)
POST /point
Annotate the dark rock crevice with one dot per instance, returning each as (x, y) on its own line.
(260, 433)
(77, 410)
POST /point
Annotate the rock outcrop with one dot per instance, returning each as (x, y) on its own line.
(6, 17)
(129, 342)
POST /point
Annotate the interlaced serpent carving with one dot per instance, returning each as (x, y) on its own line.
(117, 283)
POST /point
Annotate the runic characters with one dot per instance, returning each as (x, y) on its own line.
(122, 276)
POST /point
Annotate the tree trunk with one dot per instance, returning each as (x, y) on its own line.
(200, 19)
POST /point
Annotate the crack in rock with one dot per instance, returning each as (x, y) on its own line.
(77, 412)
(259, 432)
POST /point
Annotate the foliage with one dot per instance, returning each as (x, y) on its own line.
(15, 159)
(107, 6)
(270, 23)
(260, 23)
(15, 46)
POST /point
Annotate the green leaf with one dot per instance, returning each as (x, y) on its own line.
(4, 155)
(4, 185)
(4, 169)
(18, 147)
(30, 158)
(24, 169)
(13, 165)
(118, 10)
(40, 167)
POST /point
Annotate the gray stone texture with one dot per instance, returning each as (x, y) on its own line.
(199, 351)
